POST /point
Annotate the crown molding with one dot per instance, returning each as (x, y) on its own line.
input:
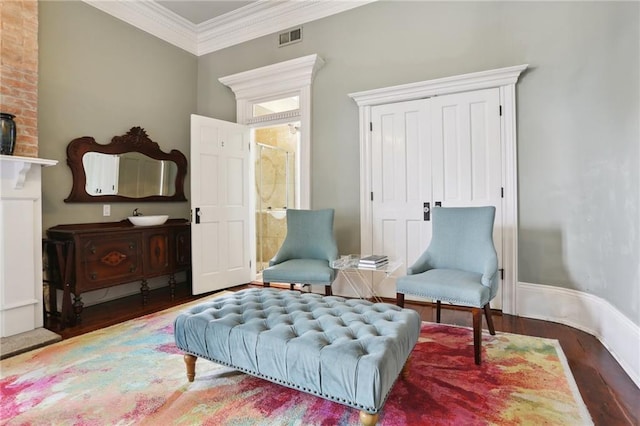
(265, 17)
(255, 20)
(154, 19)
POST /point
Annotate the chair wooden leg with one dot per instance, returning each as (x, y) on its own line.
(400, 299)
(477, 333)
(487, 314)
(438, 309)
(327, 290)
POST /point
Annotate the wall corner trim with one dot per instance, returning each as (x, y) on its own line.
(588, 313)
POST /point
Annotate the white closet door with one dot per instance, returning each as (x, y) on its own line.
(445, 150)
(467, 164)
(221, 225)
(401, 179)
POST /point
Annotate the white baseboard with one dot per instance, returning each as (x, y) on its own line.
(588, 313)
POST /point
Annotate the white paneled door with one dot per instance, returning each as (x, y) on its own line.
(401, 179)
(221, 219)
(443, 150)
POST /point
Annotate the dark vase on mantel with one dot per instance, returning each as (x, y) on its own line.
(8, 126)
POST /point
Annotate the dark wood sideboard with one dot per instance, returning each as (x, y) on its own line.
(93, 256)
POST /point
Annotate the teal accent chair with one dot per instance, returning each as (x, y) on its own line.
(307, 251)
(460, 265)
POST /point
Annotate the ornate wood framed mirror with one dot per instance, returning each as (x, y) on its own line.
(131, 168)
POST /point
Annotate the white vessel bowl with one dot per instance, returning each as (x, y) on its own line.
(148, 220)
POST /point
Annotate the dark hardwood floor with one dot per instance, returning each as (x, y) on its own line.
(610, 395)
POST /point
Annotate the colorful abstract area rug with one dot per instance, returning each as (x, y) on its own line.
(132, 373)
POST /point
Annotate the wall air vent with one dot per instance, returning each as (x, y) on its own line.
(290, 37)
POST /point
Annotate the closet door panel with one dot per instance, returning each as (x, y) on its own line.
(466, 148)
(401, 179)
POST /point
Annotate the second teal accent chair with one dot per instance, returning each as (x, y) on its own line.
(307, 251)
(460, 265)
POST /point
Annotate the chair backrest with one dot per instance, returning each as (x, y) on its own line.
(309, 236)
(462, 238)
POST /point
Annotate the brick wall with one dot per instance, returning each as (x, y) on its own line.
(19, 70)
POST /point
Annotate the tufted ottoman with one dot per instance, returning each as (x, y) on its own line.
(347, 351)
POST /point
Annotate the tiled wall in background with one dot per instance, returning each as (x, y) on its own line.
(271, 189)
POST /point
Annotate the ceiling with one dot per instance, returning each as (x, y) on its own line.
(205, 26)
(201, 11)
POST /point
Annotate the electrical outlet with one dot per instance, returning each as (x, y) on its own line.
(106, 210)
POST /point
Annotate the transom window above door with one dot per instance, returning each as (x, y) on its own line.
(276, 106)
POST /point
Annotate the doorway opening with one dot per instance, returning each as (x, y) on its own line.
(276, 183)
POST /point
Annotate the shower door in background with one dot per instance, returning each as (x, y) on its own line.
(275, 183)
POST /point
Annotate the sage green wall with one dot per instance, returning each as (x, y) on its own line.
(577, 105)
(99, 76)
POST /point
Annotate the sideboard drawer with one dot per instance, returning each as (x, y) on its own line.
(104, 261)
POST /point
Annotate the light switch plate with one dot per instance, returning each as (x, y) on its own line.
(106, 210)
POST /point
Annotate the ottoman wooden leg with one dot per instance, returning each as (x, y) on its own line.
(190, 360)
(368, 419)
(405, 369)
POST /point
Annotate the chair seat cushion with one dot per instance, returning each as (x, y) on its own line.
(301, 271)
(460, 287)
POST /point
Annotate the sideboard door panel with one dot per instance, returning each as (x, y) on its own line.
(183, 248)
(157, 252)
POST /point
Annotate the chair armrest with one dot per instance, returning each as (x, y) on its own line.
(490, 270)
(277, 259)
(332, 254)
(421, 265)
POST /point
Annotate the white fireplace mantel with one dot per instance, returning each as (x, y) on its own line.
(19, 167)
(21, 243)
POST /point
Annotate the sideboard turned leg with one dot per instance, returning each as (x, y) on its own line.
(190, 361)
(368, 419)
(144, 289)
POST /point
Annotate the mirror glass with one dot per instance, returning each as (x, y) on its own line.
(130, 168)
(131, 175)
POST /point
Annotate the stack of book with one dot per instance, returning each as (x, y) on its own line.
(375, 261)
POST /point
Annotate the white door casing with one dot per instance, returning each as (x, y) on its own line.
(504, 79)
(221, 224)
(289, 78)
(276, 81)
